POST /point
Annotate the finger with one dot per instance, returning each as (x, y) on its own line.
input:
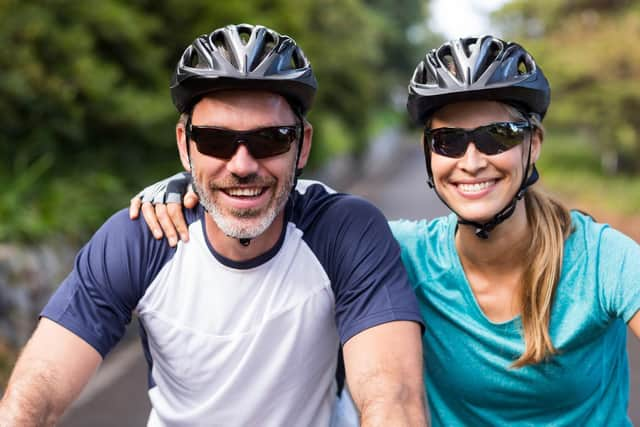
(177, 217)
(149, 215)
(134, 207)
(167, 224)
(191, 199)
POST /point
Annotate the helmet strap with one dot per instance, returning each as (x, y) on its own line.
(187, 137)
(298, 171)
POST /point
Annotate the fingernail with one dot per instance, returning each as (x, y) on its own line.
(157, 234)
(184, 237)
(172, 241)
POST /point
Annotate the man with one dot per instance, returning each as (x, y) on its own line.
(241, 325)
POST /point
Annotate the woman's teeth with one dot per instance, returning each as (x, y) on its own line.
(475, 187)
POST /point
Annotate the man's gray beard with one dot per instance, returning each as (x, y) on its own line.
(229, 223)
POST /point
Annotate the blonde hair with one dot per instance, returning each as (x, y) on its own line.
(550, 225)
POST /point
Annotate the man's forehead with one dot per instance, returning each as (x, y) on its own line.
(245, 102)
(241, 97)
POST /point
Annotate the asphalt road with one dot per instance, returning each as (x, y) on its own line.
(117, 396)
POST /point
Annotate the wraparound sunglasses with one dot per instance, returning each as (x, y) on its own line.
(261, 142)
(491, 139)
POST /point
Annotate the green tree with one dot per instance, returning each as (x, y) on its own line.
(85, 111)
(587, 51)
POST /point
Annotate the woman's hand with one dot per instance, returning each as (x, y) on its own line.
(162, 203)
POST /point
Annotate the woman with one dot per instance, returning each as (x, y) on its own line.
(526, 303)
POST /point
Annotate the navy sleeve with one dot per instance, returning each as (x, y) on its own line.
(353, 240)
(110, 274)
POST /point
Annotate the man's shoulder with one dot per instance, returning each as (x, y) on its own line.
(119, 226)
(137, 230)
(333, 221)
(316, 199)
(123, 240)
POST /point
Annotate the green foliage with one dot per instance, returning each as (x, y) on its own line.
(569, 166)
(7, 361)
(586, 50)
(85, 111)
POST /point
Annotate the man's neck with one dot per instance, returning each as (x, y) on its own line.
(233, 249)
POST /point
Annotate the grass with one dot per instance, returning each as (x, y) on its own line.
(570, 167)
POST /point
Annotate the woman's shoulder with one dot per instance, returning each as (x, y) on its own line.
(410, 233)
(589, 233)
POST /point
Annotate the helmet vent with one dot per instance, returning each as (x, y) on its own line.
(446, 58)
(430, 77)
(192, 59)
(421, 75)
(297, 60)
(245, 35)
(219, 41)
(269, 45)
(488, 59)
(469, 46)
(523, 66)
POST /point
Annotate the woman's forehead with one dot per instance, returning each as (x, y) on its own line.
(471, 114)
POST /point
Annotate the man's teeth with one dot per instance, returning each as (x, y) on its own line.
(244, 192)
(475, 187)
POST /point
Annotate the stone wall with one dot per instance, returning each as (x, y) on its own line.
(28, 276)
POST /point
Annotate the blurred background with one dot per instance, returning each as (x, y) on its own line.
(86, 119)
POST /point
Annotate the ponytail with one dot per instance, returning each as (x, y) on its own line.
(550, 224)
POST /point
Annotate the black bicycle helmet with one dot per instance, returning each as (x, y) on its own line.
(477, 68)
(243, 57)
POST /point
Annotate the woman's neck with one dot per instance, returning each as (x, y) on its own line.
(495, 267)
(504, 251)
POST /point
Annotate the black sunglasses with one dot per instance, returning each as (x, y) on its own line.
(491, 139)
(261, 143)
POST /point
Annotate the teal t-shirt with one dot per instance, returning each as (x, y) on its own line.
(467, 357)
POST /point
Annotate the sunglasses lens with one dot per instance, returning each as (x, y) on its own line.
(448, 142)
(492, 139)
(500, 137)
(214, 141)
(261, 143)
(271, 141)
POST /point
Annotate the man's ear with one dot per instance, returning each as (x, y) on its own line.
(181, 139)
(306, 145)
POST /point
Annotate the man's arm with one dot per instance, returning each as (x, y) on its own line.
(50, 373)
(384, 373)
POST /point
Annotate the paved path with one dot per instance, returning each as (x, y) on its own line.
(117, 397)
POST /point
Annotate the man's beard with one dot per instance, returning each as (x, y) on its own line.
(235, 222)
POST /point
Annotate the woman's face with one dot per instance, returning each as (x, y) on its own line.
(477, 186)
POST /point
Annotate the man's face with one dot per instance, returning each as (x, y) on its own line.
(243, 195)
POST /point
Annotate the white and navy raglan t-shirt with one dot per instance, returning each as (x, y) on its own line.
(241, 343)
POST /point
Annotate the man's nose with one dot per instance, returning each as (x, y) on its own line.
(242, 163)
